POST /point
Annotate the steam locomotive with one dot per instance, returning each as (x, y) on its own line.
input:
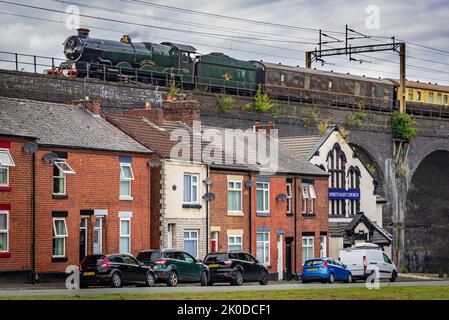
(216, 72)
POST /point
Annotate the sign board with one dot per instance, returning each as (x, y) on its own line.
(343, 194)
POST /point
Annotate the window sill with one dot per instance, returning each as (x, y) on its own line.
(5, 255)
(60, 259)
(235, 213)
(290, 214)
(125, 198)
(5, 188)
(263, 214)
(309, 215)
(191, 206)
(60, 196)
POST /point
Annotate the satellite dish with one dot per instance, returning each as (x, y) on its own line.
(249, 183)
(208, 181)
(281, 197)
(30, 147)
(154, 163)
(209, 197)
(50, 157)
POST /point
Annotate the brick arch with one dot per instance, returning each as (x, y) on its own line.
(418, 157)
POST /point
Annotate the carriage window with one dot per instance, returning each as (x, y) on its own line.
(283, 79)
(418, 95)
(373, 91)
(410, 94)
(386, 94)
(330, 85)
(445, 99)
(439, 98)
(430, 97)
(357, 89)
(307, 82)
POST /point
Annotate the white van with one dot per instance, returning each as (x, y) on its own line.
(363, 258)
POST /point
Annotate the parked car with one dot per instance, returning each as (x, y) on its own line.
(363, 258)
(115, 270)
(174, 266)
(235, 268)
(325, 270)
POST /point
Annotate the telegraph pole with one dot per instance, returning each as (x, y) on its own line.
(350, 34)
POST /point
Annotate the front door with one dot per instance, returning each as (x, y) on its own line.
(323, 246)
(280, 261)
(288, 257)
(83, 238)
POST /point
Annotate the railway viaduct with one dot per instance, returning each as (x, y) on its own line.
(417, 211)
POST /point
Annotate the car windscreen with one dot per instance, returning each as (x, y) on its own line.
(215, 257)
(313, 263)
(148, 255)
(92, 261)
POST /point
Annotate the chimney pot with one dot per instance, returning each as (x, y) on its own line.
(83, 32)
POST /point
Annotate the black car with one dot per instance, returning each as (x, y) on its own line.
(235, 268)
(173, 266)
(114, 270)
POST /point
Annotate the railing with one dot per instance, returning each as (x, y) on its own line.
(37, 64)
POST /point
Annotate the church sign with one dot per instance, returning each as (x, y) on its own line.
(343, 194)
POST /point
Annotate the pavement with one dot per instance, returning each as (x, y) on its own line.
(41, 290)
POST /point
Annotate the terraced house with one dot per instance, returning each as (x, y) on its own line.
(71, 184)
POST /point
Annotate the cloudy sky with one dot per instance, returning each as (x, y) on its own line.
(269, 30)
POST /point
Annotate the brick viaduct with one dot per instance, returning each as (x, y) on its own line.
(417, 212)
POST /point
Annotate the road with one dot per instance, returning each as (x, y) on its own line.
(196, 288)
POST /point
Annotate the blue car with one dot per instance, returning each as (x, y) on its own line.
(325, 270)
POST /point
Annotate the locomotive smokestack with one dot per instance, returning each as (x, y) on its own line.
(83, 32)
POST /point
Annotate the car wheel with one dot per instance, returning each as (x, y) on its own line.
(203, 279)
(238, 279)
(349, 280)
(331, 278)
(394, 276)
(264, 280)
(149, 279)
(116, 280)
(210, 283)
(172, 279)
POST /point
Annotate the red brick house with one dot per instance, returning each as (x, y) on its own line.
(77, 186)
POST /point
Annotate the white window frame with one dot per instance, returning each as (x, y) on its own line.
(265, 196)
(235, 237)
(307, 238)
(62, 176)
(125, 235)
(63, 236)
(289, 197)
(5, 231)
(7, 176)
(265, 259)
(12, 163)
(192, 184)
(127, 180)
(312, 197)
(63, 166)
(100, 235)
(189, 231)
(234, 189)
(305, 197)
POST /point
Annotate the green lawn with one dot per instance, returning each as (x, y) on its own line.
(389, 293)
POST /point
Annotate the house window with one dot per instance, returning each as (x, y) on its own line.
(98, 236)
(214, 241)
(4, 176)
(126, 177)
(307, 249)
(6, 161)
(125, 235)
(235, 243)
(191, 242)
(59, 237)
(336, 164)
(4, 231)
(263, 247)
(263, 196)
(60, 171)
(289, 197)
(191, 189)
(312, 196)
(235, 196)
(305, 197)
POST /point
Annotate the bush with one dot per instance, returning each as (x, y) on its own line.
(404, 270)
(263, 103)
(322, 126)
(225, 102)
(356, 119)
(404, 127)
(173, 91)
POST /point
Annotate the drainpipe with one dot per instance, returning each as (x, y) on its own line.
(207, 210)
(250, 215)
(296, 222)
(33, 222)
